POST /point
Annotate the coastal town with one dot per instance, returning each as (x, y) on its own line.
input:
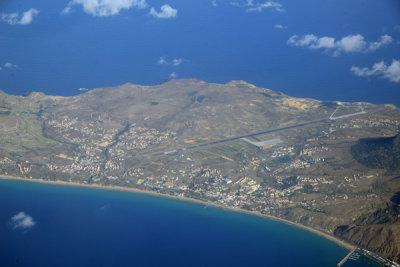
(268, 178)
(298, 164)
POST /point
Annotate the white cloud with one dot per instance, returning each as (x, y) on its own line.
(214, 3)
(349, 44)
(10, 65)
(162, 61)
(173, 75)
(22, 221)
(175, 62)
(389, 72)
(352, 43)
(16, 19)
(383, 40)
(324, 42)
(83, 89)
(27, 16)
(67, 9)
(102, 8)
(392, 72)
(303, 41)
(259, 7)
(279, 26)
(250, 2)
(251, 6)
(166, 12)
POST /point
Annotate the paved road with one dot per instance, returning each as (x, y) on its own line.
(247, 135)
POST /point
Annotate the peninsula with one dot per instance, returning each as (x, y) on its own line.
(331, 166)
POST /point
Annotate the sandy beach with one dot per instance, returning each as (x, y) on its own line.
(134, 190)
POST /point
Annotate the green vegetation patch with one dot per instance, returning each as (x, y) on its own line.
(30, 129)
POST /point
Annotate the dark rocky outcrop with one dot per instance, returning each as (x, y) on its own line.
(378, 153)
(377, 231)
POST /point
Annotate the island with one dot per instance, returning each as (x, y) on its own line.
(330, 166)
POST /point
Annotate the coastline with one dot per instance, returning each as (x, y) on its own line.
(135, 190)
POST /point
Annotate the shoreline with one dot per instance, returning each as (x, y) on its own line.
(147, 192)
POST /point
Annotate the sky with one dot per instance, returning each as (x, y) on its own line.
(329, 50)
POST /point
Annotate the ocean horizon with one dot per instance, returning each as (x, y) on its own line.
(334, 50)
(215, 41)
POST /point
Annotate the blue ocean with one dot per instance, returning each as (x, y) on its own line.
(60, 52)
(329, 50)
(79, 226)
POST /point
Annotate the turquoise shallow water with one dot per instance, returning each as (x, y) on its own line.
(77, 226)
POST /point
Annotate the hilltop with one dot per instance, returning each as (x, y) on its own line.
(332, 165)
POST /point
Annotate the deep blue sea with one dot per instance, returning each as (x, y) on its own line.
(213, 40)
(77, 226)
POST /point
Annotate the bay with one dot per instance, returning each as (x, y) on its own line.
(80, 226)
